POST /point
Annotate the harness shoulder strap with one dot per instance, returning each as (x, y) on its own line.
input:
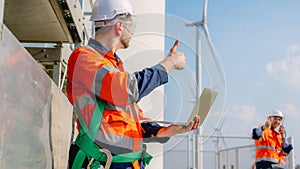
(91, 133)
(96, 118)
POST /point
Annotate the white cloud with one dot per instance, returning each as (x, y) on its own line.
(246, 114)
(287, 70)
(291, 111)
(241, 120)
(294, 49)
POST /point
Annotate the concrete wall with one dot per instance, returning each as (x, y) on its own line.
(36, 117)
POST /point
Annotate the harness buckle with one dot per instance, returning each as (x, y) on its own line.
(108, 159)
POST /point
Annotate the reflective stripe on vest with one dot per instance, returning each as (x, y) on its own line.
(265, 148)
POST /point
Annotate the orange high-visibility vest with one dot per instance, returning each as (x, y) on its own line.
(94, 73)
(269, 147)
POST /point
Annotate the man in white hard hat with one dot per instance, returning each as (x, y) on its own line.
(271, 145)
(105, 96)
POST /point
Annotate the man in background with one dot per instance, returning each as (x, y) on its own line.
(271, 145)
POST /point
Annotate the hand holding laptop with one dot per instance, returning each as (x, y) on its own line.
(178, 129)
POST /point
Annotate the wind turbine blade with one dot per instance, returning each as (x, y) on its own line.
(212, 49)
(204, 12)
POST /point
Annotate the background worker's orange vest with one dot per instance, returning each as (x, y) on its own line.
(269, 147)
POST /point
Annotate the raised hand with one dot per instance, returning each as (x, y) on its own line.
(268, 123)
(282, 132)
(175, 60)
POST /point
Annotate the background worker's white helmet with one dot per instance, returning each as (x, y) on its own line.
(276, 113)
(108, 9)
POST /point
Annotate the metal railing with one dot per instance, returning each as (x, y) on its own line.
(241, 156)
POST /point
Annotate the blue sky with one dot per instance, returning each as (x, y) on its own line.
(258, 43)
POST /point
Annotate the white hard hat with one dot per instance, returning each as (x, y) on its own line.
(276, 113)
(108, 9)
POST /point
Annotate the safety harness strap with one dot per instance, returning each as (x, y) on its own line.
(91, 132)
(92, 150)
(79, 159)
(85, 140)
(96, 118)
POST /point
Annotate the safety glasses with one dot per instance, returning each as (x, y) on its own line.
(129, 26)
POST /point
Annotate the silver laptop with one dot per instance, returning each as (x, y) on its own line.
(201, 108)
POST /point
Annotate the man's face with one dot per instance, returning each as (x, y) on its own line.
(128, 31)
(275, 121)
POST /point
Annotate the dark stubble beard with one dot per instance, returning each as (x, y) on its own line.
(125, 40)
(125, 43)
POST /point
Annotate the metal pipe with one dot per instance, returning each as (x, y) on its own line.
(198, 74)
(217, 160)
(198, 63)
(238, 147)
(291, 157)
(194, 152)
(237, 159)
(205, 151)
(188, 151)
(220, 161)
(199, 153)
(230, 137)
(228, 159)
(63, 79)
